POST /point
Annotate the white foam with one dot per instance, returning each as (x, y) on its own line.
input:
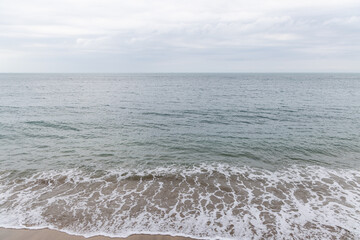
(208, 201)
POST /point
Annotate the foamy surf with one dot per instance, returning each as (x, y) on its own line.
(206, 201)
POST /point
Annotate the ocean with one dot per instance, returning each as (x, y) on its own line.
(209, 156)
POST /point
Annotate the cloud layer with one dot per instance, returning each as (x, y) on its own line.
(179, 36)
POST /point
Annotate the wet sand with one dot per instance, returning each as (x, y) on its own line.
(46, 234)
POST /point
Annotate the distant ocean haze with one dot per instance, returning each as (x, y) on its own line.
(226, 156)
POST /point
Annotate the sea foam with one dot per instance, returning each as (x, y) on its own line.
(207, 201)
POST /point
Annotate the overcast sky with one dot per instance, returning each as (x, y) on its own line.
(179, 36)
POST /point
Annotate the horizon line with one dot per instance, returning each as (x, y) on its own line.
(320, 72)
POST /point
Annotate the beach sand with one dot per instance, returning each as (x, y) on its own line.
(46, 234)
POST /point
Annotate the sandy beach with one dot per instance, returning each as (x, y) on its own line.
(45, 234)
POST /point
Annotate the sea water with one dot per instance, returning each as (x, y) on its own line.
(210, 156)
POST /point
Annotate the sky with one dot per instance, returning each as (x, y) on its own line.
(179, 36)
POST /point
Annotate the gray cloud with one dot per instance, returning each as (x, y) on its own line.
(162, 36)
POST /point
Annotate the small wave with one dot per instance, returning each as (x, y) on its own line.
(52, 125)
(207, 201)
(161, 114)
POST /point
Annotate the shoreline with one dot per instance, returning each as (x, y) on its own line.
(44, 234)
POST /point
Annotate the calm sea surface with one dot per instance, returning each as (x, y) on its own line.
(230, 156)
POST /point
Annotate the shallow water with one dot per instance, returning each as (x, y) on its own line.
(233, 156)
